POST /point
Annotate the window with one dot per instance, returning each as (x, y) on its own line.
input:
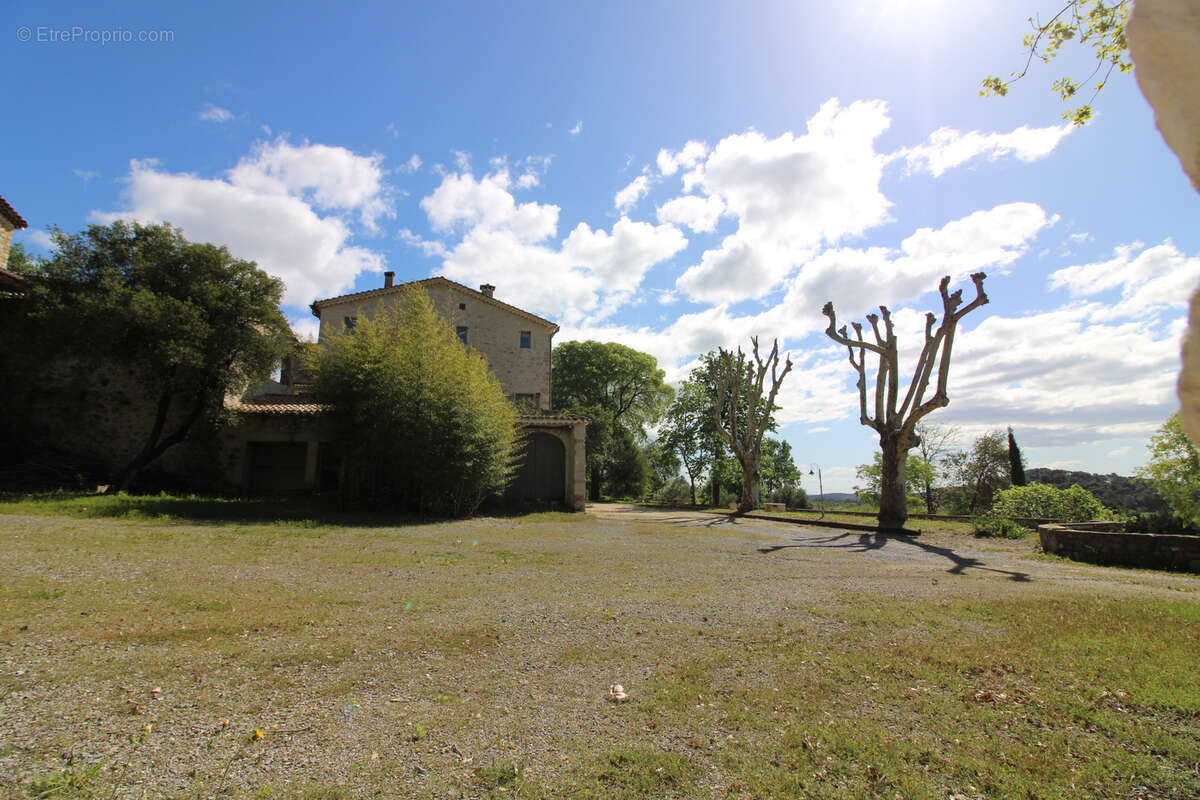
(462, 306)
(461, 330)
(530, 401)
(351, 322)
(526, 339)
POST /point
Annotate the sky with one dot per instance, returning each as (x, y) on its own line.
(673, 176)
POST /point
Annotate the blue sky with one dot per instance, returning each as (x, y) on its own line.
(672, 176)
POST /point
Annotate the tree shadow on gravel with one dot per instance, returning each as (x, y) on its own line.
(866, 542)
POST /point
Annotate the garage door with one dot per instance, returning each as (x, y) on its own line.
(277, 467)
(542, 473)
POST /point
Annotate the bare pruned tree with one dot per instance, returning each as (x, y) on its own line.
(894, 423)
(742, 429)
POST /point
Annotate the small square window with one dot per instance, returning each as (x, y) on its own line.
(526, 339)
(351, 322)
(462, 306)
(527, 401)
(461, 330)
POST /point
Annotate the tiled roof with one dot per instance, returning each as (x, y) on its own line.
(11, 213)
(279, 404)
(11, 282)
(527, 417)
(317, 305)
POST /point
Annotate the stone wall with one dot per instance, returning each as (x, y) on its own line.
(104, 412)
(1107, 543)
(6, 232)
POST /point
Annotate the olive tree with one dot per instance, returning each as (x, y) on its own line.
(893, 418)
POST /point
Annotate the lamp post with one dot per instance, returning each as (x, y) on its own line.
(821, 486)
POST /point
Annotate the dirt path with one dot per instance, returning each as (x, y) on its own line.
(930, 552)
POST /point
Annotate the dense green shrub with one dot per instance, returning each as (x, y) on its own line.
(423, 423)
(998, 527)
(676, 492)
(1041, 500)
(793, 496)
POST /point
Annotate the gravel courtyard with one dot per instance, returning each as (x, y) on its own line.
(472, 659)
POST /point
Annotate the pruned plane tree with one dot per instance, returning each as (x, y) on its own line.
(894, 417)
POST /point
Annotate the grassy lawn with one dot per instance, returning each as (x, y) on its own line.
(207, 650)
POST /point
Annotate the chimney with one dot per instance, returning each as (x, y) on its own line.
(487, 289)
(388, 279)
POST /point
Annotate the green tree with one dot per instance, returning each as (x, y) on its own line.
(627, 471)
(19, 260)
(190, 321)
(1090, 22)
(423, 423)
(688, 428)
(664, 464)
(980, 472)
(917, 475)
(1039, 500)
(1016, 464)
(619, 388)
(779, 471)
(1174, 469)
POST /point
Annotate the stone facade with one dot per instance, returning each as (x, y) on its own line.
(516, 343)
(10, 221)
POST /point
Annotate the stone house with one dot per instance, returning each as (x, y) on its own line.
(280, 443)
(10, 221)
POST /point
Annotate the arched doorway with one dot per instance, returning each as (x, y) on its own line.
(541, 476)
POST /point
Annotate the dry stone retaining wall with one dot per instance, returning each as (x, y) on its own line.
(1107, 543)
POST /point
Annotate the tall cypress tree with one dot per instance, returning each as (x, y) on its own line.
(1016, 465)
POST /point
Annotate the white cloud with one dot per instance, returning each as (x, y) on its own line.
(38, 238)
(790, 195)
(86, 175)
(947, 148)
(620, 259)
(577, 128)
(627, 198)
(669, 163)
(985, 239)
(700, 214)
(510, 244)
(329, 178)
(1156, 278)
(211, 113)
(462, 160)
(269, 208)
(426, 246)
(1082, 373)
(461, 201)
(306, 327)
(412, 165)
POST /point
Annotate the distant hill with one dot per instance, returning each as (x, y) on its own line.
(1114, 491)
(835, 497)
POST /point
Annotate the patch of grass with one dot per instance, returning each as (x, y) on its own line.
(634, 773)
(72, 781)
(999, 527)
(505, 776)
